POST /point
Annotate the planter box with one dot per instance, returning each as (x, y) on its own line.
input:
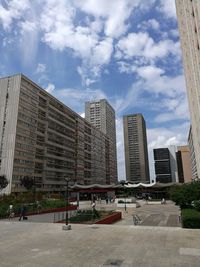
(128, 205)
(132, 200)
(154, 202)
(116, 216)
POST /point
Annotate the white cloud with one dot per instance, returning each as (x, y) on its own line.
(177, 109)
(155, 81)
(151, 23)
(149, 72)
(50, 88)
(28, 26)
(41, 68)
(174, 33)
(168, 8)
(12, 10)
(142, 45)
(114, 13)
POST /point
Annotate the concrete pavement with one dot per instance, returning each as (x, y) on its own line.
(25, 244)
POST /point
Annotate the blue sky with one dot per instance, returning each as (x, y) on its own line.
(127, 51)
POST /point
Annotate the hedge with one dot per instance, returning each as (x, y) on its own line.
(190, 218)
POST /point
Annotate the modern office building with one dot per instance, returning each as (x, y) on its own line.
(166, 164)
(188, 14)
(184, 164)
(135, 146)
(42, 138)
(101, 114)
(162, 165)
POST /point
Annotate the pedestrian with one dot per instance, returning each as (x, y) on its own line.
(146, 198)
(93, 205)
(106, 200)
(38, 206)
(23, 213)
(10, 211)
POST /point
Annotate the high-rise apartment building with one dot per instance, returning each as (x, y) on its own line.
(42, 138)
(101, 114)
(188, 14)
(135, 146)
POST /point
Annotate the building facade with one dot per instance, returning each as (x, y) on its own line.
(162, 165)
(102, 116)
(42, 138)
(192, 156)
(184, 164)
(188, 14)
(135, 146)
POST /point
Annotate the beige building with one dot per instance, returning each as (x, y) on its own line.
(192, 155)
(42, 138)
(184, 164)
(188, 13)
(135, 145)
(102, 115)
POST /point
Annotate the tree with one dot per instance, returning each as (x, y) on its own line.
(28, 182)
(3, 182)
(184, 195)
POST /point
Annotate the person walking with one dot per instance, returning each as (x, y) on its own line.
(23, 213)
(11, 213)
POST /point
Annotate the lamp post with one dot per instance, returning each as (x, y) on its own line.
(67, 226)
(123, 184)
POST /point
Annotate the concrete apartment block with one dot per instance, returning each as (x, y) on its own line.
(101, 114)
(135, 145)
(42, 138)
(188, 14)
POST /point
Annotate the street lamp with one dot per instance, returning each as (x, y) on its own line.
(123, 184)
(67, 226)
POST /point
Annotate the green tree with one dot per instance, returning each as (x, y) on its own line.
(28, 182)
(3, 182)
(183, 195)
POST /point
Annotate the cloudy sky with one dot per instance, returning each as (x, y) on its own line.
(127, 51)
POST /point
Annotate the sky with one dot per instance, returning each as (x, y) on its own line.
(126, 51)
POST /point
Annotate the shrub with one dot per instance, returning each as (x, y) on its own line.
(196, 204)
(190, 218)
(85, 216)
(184, 195)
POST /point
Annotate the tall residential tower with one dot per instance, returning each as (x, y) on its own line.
(188, 14)
(40, 137)
(101, 114)
(135, 145)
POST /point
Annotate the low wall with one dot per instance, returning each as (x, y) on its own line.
(116, 216)
(71, 207)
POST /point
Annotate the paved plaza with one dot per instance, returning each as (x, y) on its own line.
(149, 214)
(24, 244)
(35, 242)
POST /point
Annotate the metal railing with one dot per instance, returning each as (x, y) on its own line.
(136, 219)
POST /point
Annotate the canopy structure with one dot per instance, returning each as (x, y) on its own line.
(118, 186)
(153, 185)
